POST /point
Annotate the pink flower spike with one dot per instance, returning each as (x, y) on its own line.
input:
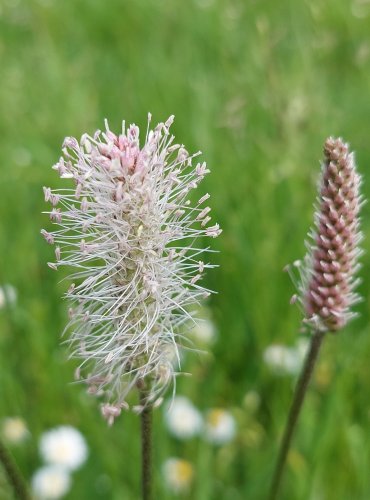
(328, 274)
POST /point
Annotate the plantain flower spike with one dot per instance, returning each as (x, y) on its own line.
(130, 232)
(328, 273)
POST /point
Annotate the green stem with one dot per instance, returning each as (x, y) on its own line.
(146, 447)
(298, 398)
(13, 474)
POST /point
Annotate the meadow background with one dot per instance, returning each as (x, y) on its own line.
(257, 86)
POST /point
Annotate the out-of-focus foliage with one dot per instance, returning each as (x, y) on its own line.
(257, 85)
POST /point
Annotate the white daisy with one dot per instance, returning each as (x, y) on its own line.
(63, 446)
(183, 419)
(50, 482)
(204, 331)
(285, 360)
(8, 295)
(220, 427)
(14, 430)
(178, 474)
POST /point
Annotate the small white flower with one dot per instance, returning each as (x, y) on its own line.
(178, 474)
(183, 419)
(64, 446)
(281, 359)
(220, 427)
(286, 360)
(14, 430)
(302, 346)
(50, 482)
(128, 228)
(8, 295)
(204, 331)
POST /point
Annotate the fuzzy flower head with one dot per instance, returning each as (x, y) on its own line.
(130, 232)
(328, 273)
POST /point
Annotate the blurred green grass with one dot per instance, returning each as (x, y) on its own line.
(257, 86)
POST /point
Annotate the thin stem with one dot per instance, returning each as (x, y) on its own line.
(146, 447)
(298, 398)
(13, 474)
